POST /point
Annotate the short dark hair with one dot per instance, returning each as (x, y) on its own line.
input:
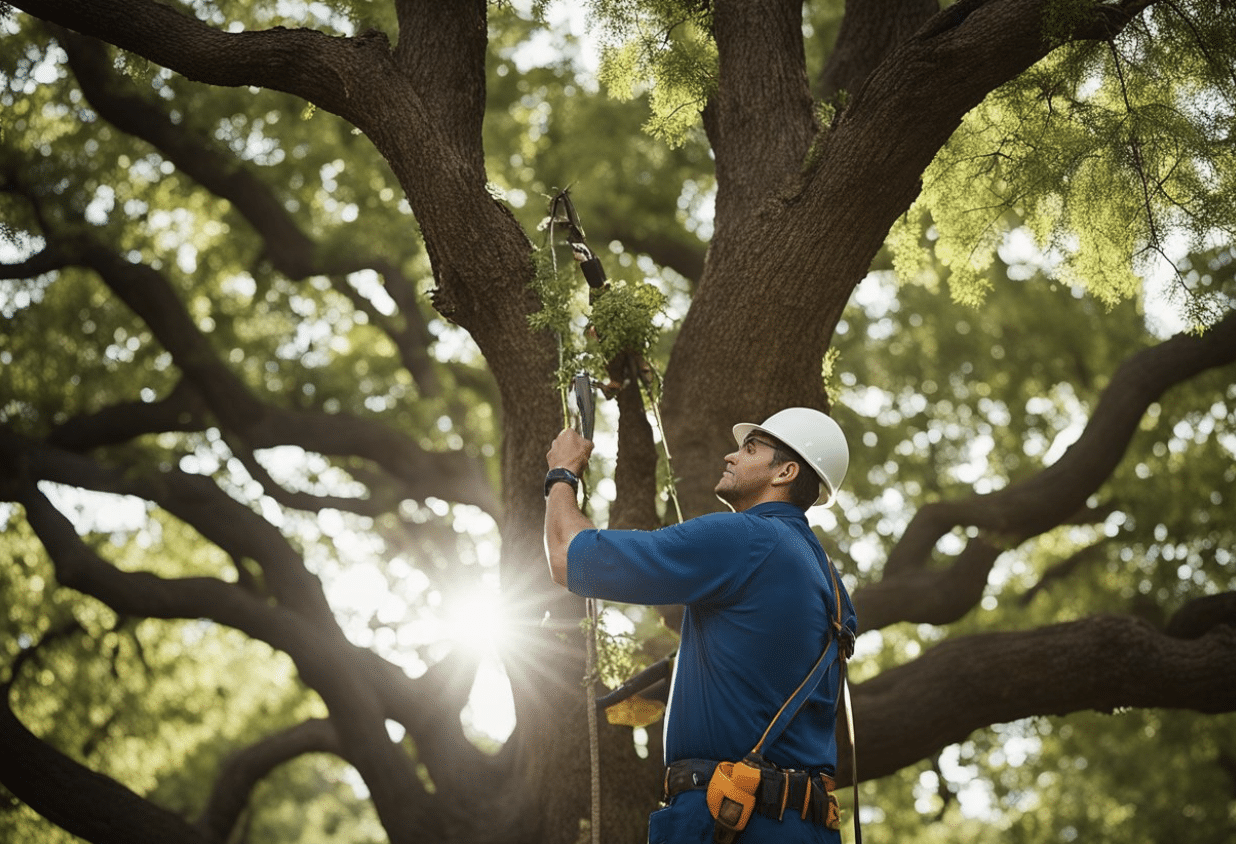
(805, 488)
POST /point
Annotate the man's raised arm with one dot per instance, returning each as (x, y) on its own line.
(563, 518)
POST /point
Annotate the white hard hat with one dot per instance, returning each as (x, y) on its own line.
(815, 437)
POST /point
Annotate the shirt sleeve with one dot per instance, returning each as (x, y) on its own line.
(700, 561)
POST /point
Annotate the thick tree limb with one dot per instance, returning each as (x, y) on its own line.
(454, 91)
(45, 261)
(310, 64)
(869, 31)
(286, 245)
(75, 798)
(760, 120)
(735, 362)
(247, 767)
(909, 589)
(1102, 663)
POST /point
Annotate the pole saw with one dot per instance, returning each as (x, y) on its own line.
(562, 213)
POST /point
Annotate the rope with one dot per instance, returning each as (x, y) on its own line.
(562, 212)
(594, 738)
(646, 391)
(590, 608)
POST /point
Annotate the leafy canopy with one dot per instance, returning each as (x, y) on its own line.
(1117, 155)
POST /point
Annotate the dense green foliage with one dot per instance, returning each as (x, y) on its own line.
(1117, 156)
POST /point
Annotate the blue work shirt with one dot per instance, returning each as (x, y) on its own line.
(759, 601)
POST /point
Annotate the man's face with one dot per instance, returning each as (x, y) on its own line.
(748, 472)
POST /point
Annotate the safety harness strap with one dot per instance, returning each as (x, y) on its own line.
(795, 701)
(732, 790)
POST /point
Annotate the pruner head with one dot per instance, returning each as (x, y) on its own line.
(562, 212)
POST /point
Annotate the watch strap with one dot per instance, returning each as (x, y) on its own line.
(560, 475)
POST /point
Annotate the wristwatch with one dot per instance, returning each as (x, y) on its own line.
(565, 476)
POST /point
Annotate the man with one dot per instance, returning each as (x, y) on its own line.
(761, 604)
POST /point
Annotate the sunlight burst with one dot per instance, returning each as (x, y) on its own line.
(477, 622)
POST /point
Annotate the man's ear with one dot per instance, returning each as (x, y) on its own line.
(786, 474)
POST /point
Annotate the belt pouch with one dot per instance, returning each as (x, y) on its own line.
(819, 801)
(731, 797)
(772, 787)
(799, 785)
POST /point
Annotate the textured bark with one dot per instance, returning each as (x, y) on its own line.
(869, 31)
(1100, 663)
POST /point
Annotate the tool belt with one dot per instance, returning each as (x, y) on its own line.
(773, 791)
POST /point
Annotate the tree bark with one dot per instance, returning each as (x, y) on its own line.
(1101, 663)
(809, 238)
(869, 31)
